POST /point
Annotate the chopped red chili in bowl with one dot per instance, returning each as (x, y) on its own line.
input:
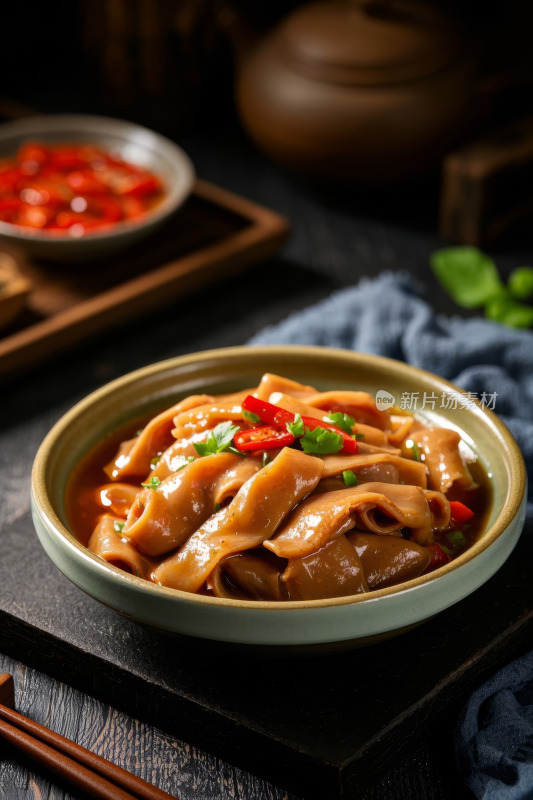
(72, 189)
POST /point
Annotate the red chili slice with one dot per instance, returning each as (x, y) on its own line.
(460, 513)
(438, 558)
(269, 413)
(265, 437)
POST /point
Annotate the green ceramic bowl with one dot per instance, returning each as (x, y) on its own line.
(297, 627)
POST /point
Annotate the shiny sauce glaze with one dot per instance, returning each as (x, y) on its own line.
(276, 522)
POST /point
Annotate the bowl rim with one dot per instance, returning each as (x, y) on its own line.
(96, 125)
(514, 462)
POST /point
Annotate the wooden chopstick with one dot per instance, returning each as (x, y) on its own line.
(81, 767)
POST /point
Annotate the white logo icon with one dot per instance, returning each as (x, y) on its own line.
(384, 400)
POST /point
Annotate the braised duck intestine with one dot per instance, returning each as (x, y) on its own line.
(280, 493)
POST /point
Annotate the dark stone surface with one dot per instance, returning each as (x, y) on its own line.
(338, 237)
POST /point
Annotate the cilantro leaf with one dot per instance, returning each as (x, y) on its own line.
(153, 483)
(469, 276)
(520, 283)
(118, 526)
(322, 441)
(296, 427)
(219, 440)
(342, 421)
(505, 310)
(350, 478)
(249, 416)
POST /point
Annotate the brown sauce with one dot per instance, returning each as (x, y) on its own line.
(84, 510)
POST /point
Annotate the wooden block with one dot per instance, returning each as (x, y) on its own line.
(7, 690)
(322, 727)
(486, 185)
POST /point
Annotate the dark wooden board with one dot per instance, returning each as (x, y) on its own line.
(214, 235)
(320, 727)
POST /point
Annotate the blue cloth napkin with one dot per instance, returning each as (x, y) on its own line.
(494, 741)
(387, 316)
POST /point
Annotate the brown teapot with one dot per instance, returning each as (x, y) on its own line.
(367, 91)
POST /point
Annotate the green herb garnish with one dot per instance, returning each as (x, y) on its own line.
(359, 436)
(520, 283)
(342, 421)
(467, 274)
(416, 452)
(509, 312)
(155, 461)
(471, 278)
(153, 483)
(190, 459)
(349, 478)
(266, 459)
(457, 540)
(445, 549)
(321, 441)
(219, 440)
(118, 526)
(250, 417)
(217, 506)
(296, 427)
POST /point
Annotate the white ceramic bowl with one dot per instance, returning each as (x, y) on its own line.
(134, 143)
(292, 627)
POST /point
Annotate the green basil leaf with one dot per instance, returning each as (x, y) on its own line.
(509, 312)
(342, 421)
(469, 276)
(520, 283)
(321, 441)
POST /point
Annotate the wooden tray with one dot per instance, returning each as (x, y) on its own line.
(215, 234)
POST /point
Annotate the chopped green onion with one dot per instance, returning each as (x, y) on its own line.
(118, 526)
(217, 506)
(250, 417)
(153, 483)
(445, 549)
(190, 459)
(456, 539)
(350, 479)
(416, 452)
(155, 461)
(321, 441)
(266, 459)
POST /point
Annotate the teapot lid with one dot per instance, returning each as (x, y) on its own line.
(365, 42)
